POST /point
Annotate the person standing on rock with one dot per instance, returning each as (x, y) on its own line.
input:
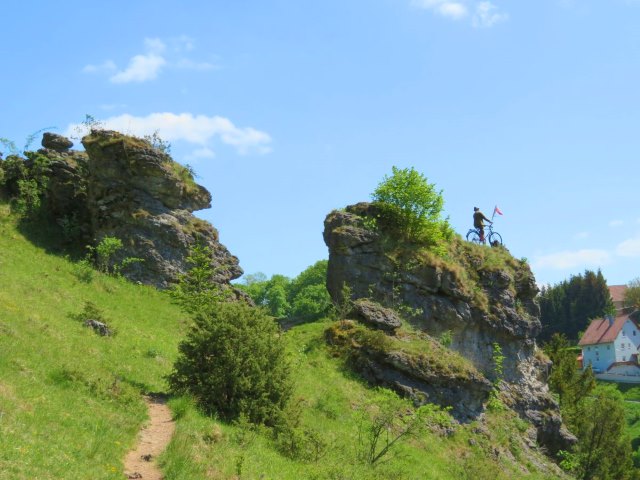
(478, 222)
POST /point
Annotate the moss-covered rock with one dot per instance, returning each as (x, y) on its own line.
(123, 187)
(475, 295)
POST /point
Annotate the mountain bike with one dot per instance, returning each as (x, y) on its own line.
(473, 236)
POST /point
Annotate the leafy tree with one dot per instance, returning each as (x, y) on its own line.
(632, 294)
(308, 295)
(304, 297)
(276, 296)
(568, 306)
(571, 385)
(604, 450)
(412, 206)
(595, 414)
(234, 363)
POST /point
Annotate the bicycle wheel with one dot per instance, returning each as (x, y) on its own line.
(495, 237)
(473, 237)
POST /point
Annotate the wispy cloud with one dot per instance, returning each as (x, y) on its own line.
(581, 235)
(157, 56)
(571, 259)
(201, 130)
(487, 15)
(629, 247)
(454, 10)
(483, 14)
(141, 68)
(107, 66)
(616, 223)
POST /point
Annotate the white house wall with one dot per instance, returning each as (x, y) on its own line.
(627, 341)
(600, 357)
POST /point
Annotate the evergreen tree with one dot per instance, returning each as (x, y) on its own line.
(569, 306)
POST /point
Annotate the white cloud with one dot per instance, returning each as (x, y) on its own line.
(200, 153)
(484, 14)
(581, 235)
(616, 223)
(487, 15)
(201, 130)
(157, 56)
(629, 247)
(572, 259)
(106, 66)
(141, 68)
(454, 10)
(154, 45)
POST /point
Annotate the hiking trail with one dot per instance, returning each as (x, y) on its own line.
(152, 440)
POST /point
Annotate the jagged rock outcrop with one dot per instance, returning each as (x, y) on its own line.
(58, 143)
(123, 187)
(480, 298)
(138, 194)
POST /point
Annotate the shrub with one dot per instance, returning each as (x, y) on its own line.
(233, 362)
(411, 206)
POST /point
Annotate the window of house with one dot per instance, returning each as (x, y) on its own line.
(589, 348)
(634, 333)
(624, 359)
(608, 347)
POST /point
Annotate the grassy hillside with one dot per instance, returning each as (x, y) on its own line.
(331, 399)
(70, 400)
(70, 403)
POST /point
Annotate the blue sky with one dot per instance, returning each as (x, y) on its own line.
(289, 109)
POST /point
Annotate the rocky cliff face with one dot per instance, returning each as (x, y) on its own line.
(123, 187)
(476, 297)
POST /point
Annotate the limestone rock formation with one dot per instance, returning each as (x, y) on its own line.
(138, 194)
(123, 187)
(376, 315)
(482, 297)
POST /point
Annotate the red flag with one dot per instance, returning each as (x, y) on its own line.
(497, 210)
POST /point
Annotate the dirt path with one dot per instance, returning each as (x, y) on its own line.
(152, 440)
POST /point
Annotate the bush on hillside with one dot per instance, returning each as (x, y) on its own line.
(233, 362)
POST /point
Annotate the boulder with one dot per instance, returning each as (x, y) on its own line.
(376, 315)
(58, 143)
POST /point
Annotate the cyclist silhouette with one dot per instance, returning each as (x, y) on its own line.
(478, 221)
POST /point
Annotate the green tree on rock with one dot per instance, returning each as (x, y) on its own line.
(412, 207)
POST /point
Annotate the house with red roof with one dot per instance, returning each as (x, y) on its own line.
(611, 345)
(617, 296)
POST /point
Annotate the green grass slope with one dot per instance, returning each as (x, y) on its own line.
(330, 399)
(71, 401)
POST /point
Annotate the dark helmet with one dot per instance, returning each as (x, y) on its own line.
(475, 209)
